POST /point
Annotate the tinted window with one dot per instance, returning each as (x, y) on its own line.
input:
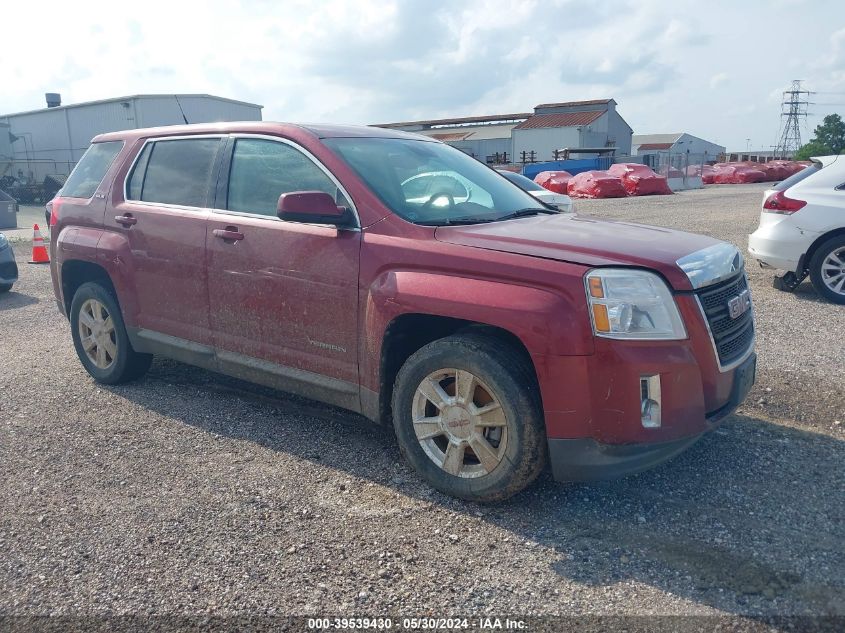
(794, 179)
(90, 170)
(136, 181)
(177, 172)
(263, 170)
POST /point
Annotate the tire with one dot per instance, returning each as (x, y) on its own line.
(5, 288)
(514, 452)
(120, 363)
(823, 269)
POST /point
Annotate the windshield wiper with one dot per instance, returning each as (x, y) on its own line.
(453, 221)
(521, 213)
(524, 213)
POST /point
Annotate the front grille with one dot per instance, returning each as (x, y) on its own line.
(8, 270)
(732, 337)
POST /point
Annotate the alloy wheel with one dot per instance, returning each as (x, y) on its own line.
(460, 423)
(833, 271)
(97, 334)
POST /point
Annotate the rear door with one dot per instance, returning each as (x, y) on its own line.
(282, 292)
(163, 217)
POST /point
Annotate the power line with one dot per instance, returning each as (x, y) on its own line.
(793, 110)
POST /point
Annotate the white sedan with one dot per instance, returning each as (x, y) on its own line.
(559, 200)
(802, 229)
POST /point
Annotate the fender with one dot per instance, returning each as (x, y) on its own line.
(108, 250)
(547, 323)
(114, 254)
(74, 243)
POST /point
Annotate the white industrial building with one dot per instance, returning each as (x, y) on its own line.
(542, 134)
(51, 140)
(655, 149)
(484, 137)
(573, 125)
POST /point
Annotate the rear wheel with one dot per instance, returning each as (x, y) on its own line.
(827, 269)
(467, 417)
(100, 339)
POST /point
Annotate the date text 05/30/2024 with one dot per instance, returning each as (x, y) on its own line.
(417, 624)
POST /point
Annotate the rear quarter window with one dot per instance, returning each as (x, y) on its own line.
(91, 169)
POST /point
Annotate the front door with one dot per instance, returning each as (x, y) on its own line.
(283, 296)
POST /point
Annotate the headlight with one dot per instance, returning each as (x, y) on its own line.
(3, 242)
(632, 304)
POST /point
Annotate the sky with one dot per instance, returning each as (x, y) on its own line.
(715, 69)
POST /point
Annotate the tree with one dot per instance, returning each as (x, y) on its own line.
(829, 139)
(813, 148)
(831, 133)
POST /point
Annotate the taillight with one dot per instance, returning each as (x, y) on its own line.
(54, 212)
(779, 203)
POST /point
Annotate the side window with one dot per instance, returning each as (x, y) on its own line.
(174, 172)
(90, 170)
(136, 180)
(262, 170)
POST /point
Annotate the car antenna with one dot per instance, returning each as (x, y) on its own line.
(184, 118)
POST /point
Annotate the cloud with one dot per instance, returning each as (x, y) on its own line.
(365, 61)
(718, 79)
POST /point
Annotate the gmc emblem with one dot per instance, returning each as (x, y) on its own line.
(740, 304)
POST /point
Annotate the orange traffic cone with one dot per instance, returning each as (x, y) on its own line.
(39, 251)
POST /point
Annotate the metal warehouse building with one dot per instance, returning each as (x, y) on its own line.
(541, 134)
(51, 140)
(654, 148)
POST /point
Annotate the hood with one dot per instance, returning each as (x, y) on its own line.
(587, 241)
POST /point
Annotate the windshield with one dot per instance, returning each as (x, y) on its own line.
(523, 182)
(433, 183)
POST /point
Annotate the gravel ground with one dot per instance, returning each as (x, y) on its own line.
(191, 493)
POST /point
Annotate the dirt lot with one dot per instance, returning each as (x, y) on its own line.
(190, 493)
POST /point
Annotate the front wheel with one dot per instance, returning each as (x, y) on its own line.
(827, 269)
(100, 339)
(5, 288)
(467, 416)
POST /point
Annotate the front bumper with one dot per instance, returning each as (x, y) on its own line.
(585, 459)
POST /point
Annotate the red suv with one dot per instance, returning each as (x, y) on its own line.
(393, 275)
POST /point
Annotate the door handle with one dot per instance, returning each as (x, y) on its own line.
(229, 233)
(126, 220)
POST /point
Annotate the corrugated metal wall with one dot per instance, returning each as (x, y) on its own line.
(618, 130)
(544, 141)
(85, 122)
(42, 146)
(52, 140)
(155, 111)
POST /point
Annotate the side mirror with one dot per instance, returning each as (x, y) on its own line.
(314, 207)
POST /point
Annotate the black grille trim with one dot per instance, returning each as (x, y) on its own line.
(732, 338)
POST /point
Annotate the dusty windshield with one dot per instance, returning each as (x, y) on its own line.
(433, 183)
